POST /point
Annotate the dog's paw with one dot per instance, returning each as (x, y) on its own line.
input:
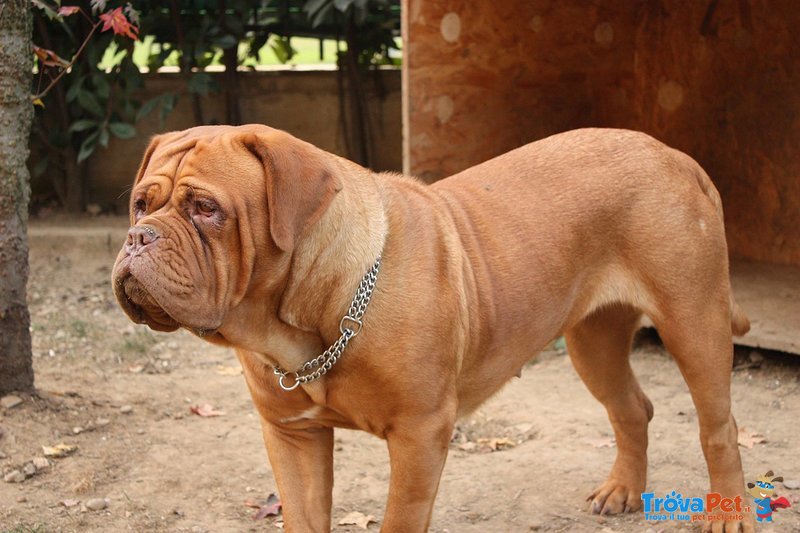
(732, 526)
(615, 497)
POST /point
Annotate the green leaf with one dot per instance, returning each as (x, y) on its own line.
(75, 88)
(257, 44)
(88, 146)
(81, 125)
(89, 102)
(103, 138)
(98, 6)
(147, 108)
(312, 6)
(156, 61)
(102, 88)
(321, 15)
(206, 58)
(342, 5)
(282, 48)
(122, 130)
(51, 14)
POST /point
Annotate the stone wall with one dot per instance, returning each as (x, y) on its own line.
(304, 103)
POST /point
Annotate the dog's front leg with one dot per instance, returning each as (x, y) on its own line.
(417, 452)
(302, 461)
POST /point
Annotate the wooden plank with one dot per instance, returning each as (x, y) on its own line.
(482, 77)
(770, 296)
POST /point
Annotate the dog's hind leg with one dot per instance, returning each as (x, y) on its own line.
(697, 332)
(599, 347)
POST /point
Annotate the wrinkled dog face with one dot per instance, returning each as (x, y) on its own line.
(178, 266)
(212, 209)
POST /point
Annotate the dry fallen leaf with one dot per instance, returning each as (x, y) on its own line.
(495, 443)
(205, 410)
(468, 446)
(229, 370)
(269, 507)
(358, 519)
(59, 450)
(749, 438)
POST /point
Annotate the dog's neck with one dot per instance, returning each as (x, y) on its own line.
(330, 260)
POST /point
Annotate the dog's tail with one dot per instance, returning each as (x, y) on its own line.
(740, 324)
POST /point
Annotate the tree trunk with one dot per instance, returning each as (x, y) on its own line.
(16, 114)
(358, 99)
(231, 80)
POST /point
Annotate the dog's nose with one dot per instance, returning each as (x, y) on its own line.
(139, 237)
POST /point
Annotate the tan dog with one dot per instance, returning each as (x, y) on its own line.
(255, 239)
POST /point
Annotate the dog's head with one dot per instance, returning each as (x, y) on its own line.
(216, 212)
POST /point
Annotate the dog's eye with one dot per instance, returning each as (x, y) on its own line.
(205, 207)
(139, 206)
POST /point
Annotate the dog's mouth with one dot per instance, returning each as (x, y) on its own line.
(142, 307)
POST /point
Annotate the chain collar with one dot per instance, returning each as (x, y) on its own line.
(349, 327)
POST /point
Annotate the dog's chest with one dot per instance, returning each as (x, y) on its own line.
(307, 415)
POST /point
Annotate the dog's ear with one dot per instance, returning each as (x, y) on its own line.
(769, 474)
(148, 155)
(751, 485)
(779, 478)
(300, 183)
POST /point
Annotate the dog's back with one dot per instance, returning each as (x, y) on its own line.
(561, 227)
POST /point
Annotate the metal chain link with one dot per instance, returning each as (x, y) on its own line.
(349, 327)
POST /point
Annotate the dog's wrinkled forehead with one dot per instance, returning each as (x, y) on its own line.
(168, 153)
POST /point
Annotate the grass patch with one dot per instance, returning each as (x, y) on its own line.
(79, 328)
(136, 344)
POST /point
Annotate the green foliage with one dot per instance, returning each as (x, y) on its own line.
(375, 20)
(82, 106)
(99, 97)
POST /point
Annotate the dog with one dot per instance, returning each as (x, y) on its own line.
(376, 302)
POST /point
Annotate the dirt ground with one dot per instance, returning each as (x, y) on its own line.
(122, 394)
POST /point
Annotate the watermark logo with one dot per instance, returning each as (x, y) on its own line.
(762, 491)
(674, 506)
(714, 507)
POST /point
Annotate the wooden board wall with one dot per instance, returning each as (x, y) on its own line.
(719, 80)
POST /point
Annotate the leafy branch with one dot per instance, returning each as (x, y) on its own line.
(114, 20)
